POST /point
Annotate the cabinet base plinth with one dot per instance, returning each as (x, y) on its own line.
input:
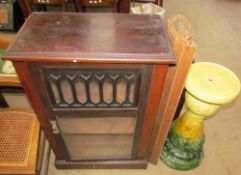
(115, 164)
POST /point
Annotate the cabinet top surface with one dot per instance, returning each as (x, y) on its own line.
(91, 37)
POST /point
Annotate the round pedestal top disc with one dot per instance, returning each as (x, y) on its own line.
(212, 83)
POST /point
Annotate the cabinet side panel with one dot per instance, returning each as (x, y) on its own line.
(143, 85)
(36, 101)
(173, 89)
(154, 96)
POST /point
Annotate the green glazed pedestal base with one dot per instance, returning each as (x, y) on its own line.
(182, 154)
(208, 86)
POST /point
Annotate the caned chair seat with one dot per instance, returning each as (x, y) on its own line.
(19, 135)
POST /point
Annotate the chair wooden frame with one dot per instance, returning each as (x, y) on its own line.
(80, 5)
(26, 5)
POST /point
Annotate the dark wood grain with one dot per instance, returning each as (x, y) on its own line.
(152, 103)
(130, 51)
(142, 94)
(115, 38)
(172, 92)
(38, 106)
(122, 164)
(144, 89)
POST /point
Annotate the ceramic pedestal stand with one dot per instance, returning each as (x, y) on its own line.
(208, 86)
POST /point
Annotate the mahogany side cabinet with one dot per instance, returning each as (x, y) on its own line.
(95, 82)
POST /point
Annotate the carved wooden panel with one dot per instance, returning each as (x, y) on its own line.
(92, 88)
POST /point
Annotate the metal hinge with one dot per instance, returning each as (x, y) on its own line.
(55, 128)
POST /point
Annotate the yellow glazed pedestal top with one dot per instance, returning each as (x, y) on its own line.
(212, 83)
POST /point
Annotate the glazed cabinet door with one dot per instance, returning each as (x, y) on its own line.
(96, 110)
(98, 137)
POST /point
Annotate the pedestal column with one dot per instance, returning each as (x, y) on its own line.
(208, 86)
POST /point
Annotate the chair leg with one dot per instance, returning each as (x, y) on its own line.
(3, 102)
(160, 3)
(64, 6)
(78, 6)
(27, 8)
(114, 6)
